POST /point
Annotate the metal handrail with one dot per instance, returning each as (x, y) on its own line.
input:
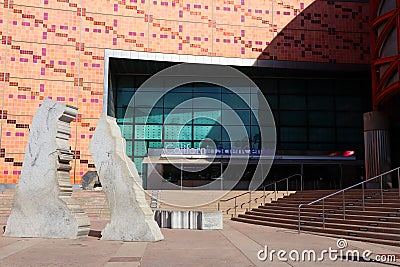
(241, 205)
(343, 197)
(264, 196)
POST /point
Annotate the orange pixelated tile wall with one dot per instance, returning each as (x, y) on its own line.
(55, 48)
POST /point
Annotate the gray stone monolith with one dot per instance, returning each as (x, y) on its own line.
(89, 180)
(43, 204)
(131, 217)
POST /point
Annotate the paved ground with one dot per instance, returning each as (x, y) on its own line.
(236, 245)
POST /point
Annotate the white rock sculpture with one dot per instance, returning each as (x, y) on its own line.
(131, 217)
(43, 204)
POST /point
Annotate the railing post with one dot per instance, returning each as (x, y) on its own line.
(301, 182)
(219, 205)
(344, 207)
(381, 178)
(264, 194)
(249, 200)
(275, 190)
(323, 213)
(299, 219)
(363, 196)
(235, 207)
(287, 186)
(398, 179)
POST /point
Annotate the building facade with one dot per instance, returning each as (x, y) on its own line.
(385, 64)
(300, 53)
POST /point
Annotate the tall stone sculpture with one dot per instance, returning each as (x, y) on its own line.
(131, 217)
(43, 206)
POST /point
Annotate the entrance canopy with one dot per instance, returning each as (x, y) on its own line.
(164, 160)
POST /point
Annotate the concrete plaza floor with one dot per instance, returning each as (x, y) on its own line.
(236, 245)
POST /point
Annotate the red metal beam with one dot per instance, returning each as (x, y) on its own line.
(391, 19)
(387, 93)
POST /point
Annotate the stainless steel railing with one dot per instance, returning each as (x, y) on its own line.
(362, 184)
(235, 198)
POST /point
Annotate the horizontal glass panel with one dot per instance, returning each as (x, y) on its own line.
(264, 118)
(235, 117)
(272, 101)
(124, 115)
(321, 118)
(125, 83)
(156, 116)
(318, 135)
(321, 103)
(140, 148)
(205, 131)
(148, 99)
(350, 103)
(347, 87)
(258, 101)
(292, 146)
(267, 86)
(148, 132)
(224, 145)
(255, 133)
(128, 149)
(123, 98)
(206, 88)
(238, 89)
(235, 101)
(140, 132)
(211, 116)
(292, 102)
(171, 100)
(350, 135)
(235, 133)
(226, 91)
(139, 80)
(206, 100)
(141, 114)
(275, 113)
(327, 147)
(292, 134)
(292, 86)
(154, 132)
(320, 87)
(127, 131)
(186, 88)
(177, 132)
(138, 163)
(153, 144)
(269, 133)
(293, 118)
(177, 116)
(351, 119)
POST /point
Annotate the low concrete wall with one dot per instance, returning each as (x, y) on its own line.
(185, 219)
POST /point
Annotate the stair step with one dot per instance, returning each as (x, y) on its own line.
(343, 225)
(329, 211)
(366, 221)
(394, 238)
(368, 206)
(375, 222)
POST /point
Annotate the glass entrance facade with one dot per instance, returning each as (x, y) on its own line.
(315, 112)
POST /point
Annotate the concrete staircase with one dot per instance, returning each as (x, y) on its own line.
(6, 202)
(227, 207)
(96, 207)
(377, 222)
(242, 202)
(92, 202)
